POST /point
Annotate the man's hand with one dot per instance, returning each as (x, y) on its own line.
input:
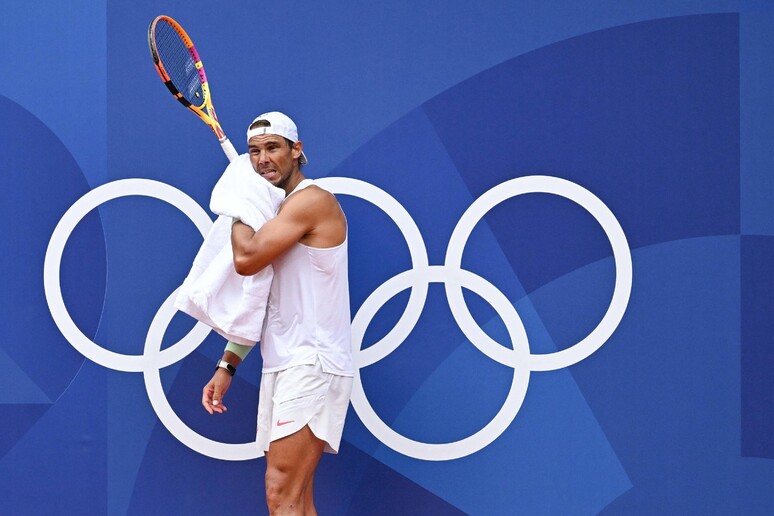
(213, 392)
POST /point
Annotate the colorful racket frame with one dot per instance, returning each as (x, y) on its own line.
(205, 110)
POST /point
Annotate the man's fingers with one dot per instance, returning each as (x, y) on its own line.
(207, 398)
(217, 401)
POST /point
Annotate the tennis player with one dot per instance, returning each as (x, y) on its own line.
(306, 343)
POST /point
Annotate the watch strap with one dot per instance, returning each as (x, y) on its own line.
(222, 364)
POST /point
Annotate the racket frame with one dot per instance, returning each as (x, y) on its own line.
(205, 111)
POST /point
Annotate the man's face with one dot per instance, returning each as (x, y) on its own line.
(273, 158)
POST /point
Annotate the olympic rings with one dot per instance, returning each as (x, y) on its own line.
(520, 354)
(621, 253)
(53, 260)
(163, 409)
(417, 279)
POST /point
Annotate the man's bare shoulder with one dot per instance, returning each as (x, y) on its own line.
(311, 198)
(318, 212)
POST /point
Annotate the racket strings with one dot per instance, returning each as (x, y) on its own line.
(178, 63)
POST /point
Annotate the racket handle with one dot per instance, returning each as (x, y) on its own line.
(229, 149)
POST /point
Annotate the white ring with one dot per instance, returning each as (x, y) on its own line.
(53, 260)
(519, 361)
(160, 403)
(621, 253)
(417, 250)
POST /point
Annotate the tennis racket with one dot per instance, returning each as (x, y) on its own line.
(182, 71)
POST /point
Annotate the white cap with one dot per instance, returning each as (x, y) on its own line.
(279, 124)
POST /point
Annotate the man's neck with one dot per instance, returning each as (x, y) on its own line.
(294, 181)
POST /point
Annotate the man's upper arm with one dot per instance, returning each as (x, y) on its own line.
(254, 251)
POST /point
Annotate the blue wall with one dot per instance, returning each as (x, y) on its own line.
(611, 351)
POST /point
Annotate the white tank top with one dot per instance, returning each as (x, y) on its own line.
(308, 311)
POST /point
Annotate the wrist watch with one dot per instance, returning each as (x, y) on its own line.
(225, 365)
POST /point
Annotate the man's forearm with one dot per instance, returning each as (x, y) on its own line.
(237, 350)
(243, 249)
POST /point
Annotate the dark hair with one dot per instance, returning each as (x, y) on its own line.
(290, 144)
(259, 123)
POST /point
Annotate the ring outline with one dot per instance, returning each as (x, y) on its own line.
(53, 260)
(521, 372)
(621, 254)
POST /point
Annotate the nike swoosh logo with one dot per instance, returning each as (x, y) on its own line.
(280, 423)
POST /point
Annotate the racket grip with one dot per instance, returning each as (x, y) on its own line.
(229, 149)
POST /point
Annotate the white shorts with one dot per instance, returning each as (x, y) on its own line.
(303, 395)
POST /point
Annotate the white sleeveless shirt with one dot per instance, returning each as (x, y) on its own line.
(308, 311)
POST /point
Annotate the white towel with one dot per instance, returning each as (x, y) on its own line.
(213, 293)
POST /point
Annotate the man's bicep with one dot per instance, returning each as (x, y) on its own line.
(254, 251)
(278, 235)
(294, 221)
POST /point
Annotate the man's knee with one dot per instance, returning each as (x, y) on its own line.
(280, 488)
(290, 466)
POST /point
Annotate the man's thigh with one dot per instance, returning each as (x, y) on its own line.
(293, 459)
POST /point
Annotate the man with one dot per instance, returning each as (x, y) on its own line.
(306, 343)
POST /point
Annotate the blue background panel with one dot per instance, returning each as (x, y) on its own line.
(757, 347)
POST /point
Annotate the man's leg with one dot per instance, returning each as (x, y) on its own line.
(290, 466)
(311, 510)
